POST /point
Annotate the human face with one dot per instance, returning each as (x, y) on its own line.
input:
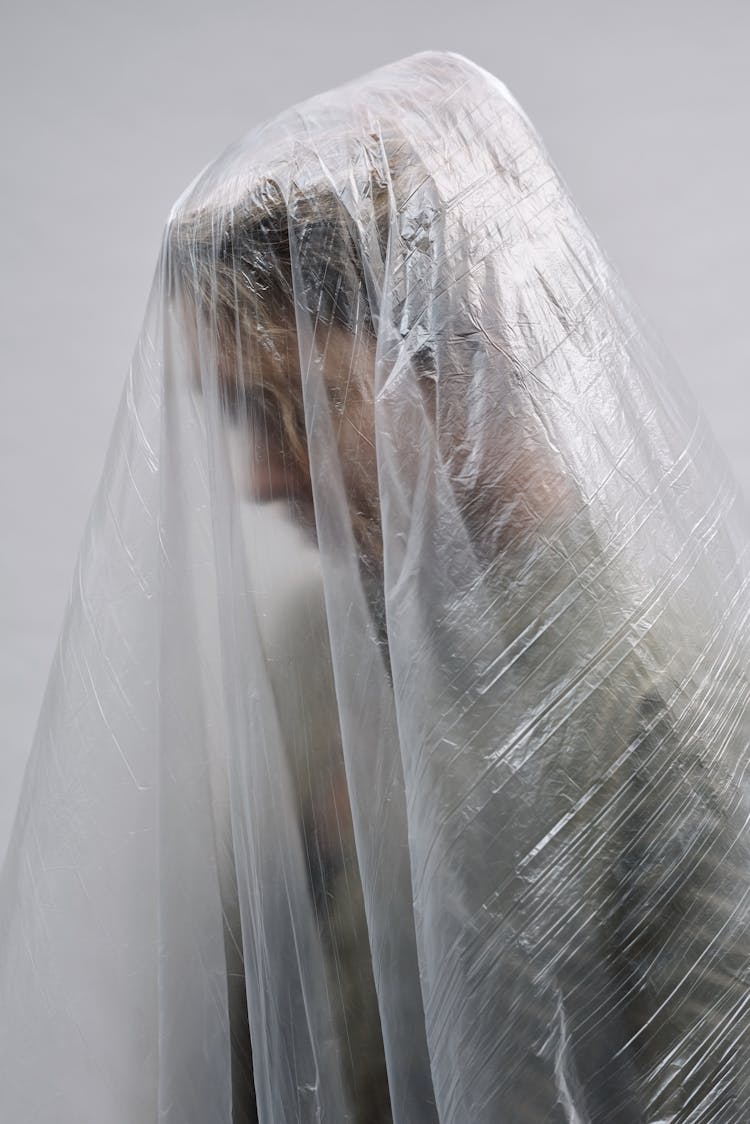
(347, 363)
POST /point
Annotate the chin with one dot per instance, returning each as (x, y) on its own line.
(302, 513)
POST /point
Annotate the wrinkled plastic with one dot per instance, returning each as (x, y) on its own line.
(393, 763)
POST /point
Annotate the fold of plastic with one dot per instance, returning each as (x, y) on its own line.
(393, 764)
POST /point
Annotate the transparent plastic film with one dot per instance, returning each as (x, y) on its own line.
(393, 763)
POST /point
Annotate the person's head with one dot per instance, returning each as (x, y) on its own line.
(291, 279)
(249, 280)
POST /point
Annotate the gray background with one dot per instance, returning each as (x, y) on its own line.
(110, 109)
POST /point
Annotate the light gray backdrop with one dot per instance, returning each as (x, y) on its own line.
(110, 108)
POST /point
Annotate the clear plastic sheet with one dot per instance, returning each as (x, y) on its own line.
(393, 763)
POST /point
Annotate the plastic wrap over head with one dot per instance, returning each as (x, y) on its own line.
(393, 762)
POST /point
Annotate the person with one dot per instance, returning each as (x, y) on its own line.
(458, 807)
